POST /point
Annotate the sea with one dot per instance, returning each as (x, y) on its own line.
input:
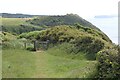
(108, 25)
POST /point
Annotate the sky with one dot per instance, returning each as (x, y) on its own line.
(84, 8)
(87, 9)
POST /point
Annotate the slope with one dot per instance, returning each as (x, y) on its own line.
(55, 20)
(90, 41)
(17, 25)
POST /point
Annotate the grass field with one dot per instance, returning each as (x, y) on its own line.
(12, 22)
(16, 22)
(22, 63)
(18, 25)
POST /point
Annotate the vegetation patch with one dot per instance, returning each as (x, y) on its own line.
(17, 25)
(17, 63)
(109, 63)
(81, 41)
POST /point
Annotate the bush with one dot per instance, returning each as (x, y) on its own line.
(14, 44)
(89, 44)
(30, 48)
(108, 63)
(63, 33)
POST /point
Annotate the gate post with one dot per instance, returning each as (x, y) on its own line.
(35, 45)
(47, 44)
(25, 44)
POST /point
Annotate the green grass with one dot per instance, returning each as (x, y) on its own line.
(21, 63)
(17, 63)
(68, 50)
(13, 22)
(58, 67)
(18, 25)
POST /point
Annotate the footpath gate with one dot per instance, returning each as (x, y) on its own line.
(41, 45)
(37, 44)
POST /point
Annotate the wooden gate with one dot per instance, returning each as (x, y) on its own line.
(41, 45)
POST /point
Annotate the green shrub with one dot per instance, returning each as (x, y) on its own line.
(30, 48)
(109, 63)
(89, 44)
(30, 35)
(13, 44)
(5, 36)
(63, 34)
(66, 50)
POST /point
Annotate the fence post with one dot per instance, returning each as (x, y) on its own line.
(47, 44)
(25, 45)
(35, 46)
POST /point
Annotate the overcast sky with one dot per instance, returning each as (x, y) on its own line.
(84, 8)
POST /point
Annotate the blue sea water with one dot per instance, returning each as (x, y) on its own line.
(108, 25)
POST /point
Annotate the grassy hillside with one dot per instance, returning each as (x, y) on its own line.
(89, 42)
(17, 25)
(69, 19)
(20, 63)
(47, 20)
(26, 24)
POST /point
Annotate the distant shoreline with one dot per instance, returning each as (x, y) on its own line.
(106, 16)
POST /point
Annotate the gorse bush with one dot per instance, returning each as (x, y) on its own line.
(109, 63)
(13, 44)
(10, 41)
(89, 44)
(55, 34)
(92, 32)
(66, 50)
(30, 35)
(63, 34)
(5, 36)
